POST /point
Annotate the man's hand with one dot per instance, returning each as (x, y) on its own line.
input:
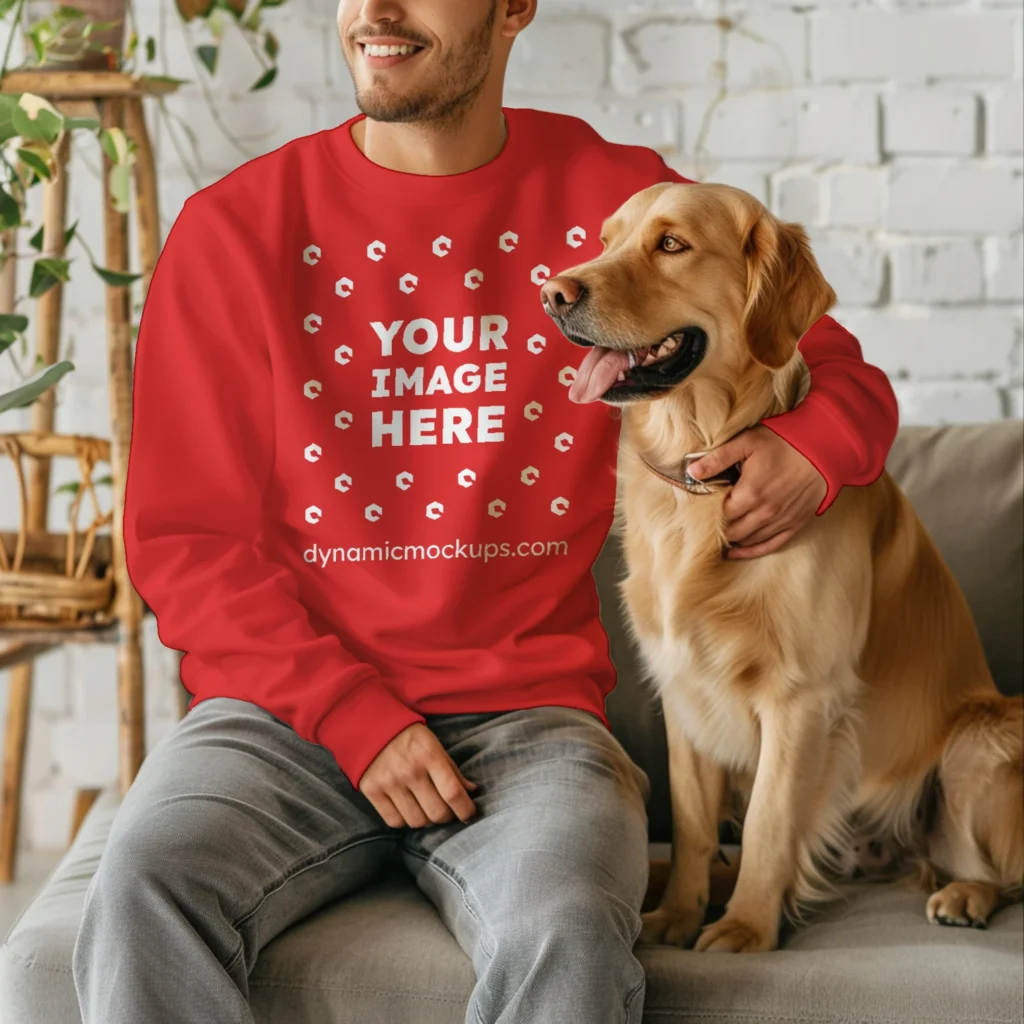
(778, 492)
(414, 782)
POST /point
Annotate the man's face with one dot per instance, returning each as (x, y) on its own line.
(417, 60)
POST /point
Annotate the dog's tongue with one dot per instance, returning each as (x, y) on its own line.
(597, 373)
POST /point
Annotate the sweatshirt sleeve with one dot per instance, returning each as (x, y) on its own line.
(201, 455)
(847, 423)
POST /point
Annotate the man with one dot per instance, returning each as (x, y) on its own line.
(361, 502)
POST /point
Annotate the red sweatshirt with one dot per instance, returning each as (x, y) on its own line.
(358, 492)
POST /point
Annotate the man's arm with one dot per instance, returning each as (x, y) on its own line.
(847, 423)
(794, 464)
(201, 455)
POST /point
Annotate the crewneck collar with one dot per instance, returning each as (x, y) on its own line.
(414, 189)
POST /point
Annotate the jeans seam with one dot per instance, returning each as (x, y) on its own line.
(448, 872)
(236, 957)
(638, 988)
(292, 872)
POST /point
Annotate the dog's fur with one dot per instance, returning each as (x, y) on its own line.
(839, 682)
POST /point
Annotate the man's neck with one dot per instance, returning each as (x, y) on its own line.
(432, 149)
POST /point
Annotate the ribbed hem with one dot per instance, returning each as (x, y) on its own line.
(361, 725)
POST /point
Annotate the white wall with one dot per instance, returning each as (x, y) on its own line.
(891, 128)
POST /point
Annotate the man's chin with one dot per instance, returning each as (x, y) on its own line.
(389, 109)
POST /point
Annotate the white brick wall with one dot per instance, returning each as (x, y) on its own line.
(892, 128)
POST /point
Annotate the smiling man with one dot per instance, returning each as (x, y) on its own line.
(363, 503)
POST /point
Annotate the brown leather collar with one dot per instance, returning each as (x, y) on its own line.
(688, 483)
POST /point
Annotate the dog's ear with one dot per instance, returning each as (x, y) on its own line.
(786, 290)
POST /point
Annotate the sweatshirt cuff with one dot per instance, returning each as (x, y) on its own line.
(825, 441)
(361, 725)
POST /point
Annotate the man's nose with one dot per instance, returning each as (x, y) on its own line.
(560, 294)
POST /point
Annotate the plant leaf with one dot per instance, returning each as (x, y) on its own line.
(12, 322)
(120, 183)
(28, 392)
(117, 278)
(164, 78)
(36, 241)
(116, 145)
(68, 12)
(208, 55)
(10, 212)
(46, 273)
(89, 124)
(37, 155)
(37, 118)
(265, 79)
(8, 104)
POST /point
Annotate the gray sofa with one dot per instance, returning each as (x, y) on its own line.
(383, 955)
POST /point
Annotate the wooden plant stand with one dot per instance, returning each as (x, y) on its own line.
(116, 100)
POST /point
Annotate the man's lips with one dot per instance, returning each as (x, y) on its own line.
(387, 51)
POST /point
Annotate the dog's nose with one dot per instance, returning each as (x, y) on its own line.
(560, 294)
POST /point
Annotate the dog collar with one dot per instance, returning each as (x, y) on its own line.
(712, 485)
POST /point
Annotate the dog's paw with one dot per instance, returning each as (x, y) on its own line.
(663, 927)
(961, 905)
(733, 935)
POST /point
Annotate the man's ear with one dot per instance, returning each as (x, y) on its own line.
(786, 290)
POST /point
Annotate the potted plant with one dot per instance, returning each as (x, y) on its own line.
(81, 37)
(90, 35)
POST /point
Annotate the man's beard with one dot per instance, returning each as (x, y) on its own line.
(461, 78)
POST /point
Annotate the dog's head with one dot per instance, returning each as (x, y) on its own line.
(694, 280)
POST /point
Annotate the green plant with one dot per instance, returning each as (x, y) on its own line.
(25, 394)
(66, 28)
(32, 129)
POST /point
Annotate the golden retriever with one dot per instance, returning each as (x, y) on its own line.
(835, 686)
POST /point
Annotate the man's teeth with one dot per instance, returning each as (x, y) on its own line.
(373, 50)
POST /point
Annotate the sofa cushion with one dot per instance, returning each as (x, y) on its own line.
(383, 956)
(967, 485)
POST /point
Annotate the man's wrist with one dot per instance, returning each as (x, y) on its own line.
(362, 724)
(825, 442)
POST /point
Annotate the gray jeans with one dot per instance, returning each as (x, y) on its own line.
(235, 828)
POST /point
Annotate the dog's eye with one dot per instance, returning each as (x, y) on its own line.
(672, 244)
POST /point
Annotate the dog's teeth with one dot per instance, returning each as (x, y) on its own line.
(621, 376)
(632, 363)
